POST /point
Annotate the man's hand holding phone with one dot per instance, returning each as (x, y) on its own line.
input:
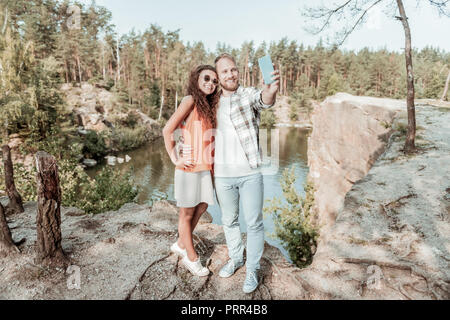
(275, 85)
(271, 79)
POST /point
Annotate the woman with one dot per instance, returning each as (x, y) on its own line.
(196, 117)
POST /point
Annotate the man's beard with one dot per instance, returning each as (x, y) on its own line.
(230, 88)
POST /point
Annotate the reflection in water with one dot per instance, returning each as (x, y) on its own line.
(153, 172)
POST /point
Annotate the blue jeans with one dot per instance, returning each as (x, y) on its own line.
(250, 190)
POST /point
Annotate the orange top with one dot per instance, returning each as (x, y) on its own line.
(195, 142)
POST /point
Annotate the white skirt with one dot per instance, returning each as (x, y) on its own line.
(192, 188)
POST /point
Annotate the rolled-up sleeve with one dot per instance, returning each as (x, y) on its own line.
(263, 105)
(257, 102)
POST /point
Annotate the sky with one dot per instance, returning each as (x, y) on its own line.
(234, 21)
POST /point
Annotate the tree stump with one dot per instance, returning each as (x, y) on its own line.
(6, 242)
(15, 200)
(48, 219)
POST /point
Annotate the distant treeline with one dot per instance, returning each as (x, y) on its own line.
(152, 66)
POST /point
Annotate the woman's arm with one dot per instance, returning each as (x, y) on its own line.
(186, 106)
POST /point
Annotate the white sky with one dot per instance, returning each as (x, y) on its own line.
(235, 21)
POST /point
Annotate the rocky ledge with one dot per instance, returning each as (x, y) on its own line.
(385, 216)
(125, 255)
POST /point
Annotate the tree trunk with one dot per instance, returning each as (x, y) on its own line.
(411, 134)
(158, 57)
(103, 62)
(5, 22)
(176, 100)
(118, 61)
(147, 63)
(6, 242)
(79, 67)
(66, 70)
(74, 73)
(15, 200)
(160, 108)
(48, 218)
(281, 79)
(318, 79)
(444, 95)
(110, 69)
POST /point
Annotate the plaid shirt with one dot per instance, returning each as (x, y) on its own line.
(246, 106)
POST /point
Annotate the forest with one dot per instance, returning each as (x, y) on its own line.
(39, 48)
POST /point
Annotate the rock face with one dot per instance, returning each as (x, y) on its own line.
(125, 255)
(349, 134)
(90, 105)
(386, 234)
(96, 108)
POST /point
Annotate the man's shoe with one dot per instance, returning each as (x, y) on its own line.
(230, 268)
(251, 282)
(195, 267)
(175, 248)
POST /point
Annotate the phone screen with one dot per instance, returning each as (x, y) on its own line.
(266, 66)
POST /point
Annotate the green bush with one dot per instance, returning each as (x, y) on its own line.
(267, 118)
(58, 143)
(300, 102)
(293, 112)
(293, 220)
(25, 181)
(131, 120)
(402, 128)
(108, 190)
(124, 138)
(94, 145)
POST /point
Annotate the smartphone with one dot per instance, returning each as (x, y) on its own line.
(266, 66)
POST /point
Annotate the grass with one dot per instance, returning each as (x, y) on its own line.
(357, 241)
(385, 124)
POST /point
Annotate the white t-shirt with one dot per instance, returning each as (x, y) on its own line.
(229, 158)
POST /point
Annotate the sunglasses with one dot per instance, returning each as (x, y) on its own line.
(207, 78)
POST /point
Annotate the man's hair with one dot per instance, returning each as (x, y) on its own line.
(223, 56)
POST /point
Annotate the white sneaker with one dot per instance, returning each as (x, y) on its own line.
(175, 248)
(195, 267)
(230, 268)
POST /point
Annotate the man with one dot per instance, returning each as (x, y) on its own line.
(236, 167)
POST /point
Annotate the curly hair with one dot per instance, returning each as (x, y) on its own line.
(206, 104)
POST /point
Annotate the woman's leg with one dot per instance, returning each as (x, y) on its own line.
(185, 232)
(199, 210)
